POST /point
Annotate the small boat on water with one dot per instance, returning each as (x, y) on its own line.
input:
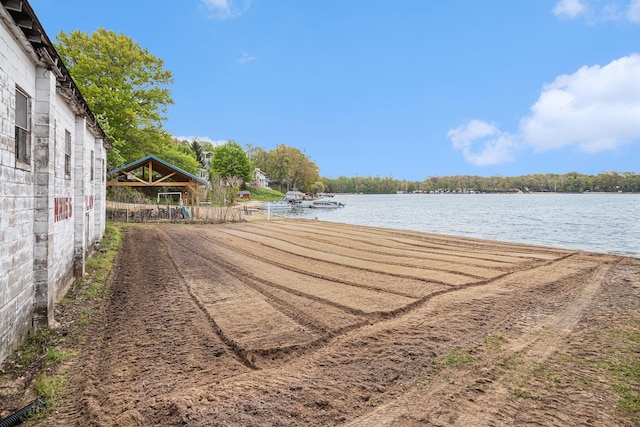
(323, 201)
(301, 203)
(326, 203)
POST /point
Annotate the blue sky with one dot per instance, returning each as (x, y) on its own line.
(402, 88)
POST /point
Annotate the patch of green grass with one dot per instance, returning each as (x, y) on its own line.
(630, 401)
(627, 374)
(620, 361)
(547, 373)
(38, 350)
(523, 394)
(545, 330)
(53, 356)
(40, 354)
(51, 387)
(633, 335)
(457, 358)
(613, 369)
(84, 316)
(494, 341)
(98, 266)
(264, 195)
(95, 290)
(32, 347)
(630, 368)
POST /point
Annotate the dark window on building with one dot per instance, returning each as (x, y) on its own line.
(92, 164)
(23, 146)
(67, 153)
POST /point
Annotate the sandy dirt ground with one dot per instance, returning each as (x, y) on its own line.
(308, 323)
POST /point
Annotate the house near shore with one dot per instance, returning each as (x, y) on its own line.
(260, 179)
(52, 176)
(294, 195)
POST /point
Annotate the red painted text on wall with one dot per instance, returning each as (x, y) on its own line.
(63, 208)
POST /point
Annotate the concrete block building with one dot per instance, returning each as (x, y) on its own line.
(52, 176)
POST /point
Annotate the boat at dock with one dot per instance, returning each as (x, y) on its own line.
(326, 203)
(301, 203)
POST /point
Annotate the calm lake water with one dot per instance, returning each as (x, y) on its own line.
(605, 223)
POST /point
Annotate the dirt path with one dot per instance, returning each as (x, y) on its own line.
(312, 323)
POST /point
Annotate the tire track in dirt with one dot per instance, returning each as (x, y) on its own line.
(321, 268)
(282, 284)
(432, 274)
(377, 363)
(463, 254)
(248, 355)
(456, 256)
(393, 250)
(472, 405)
(259, 283)
(196, 249)
(250, 250)
(564, 317)
(252, 355)
(293, 242)
(365, 277)
(464, 246)
(426, 245)
(283, 352)
(150, 331)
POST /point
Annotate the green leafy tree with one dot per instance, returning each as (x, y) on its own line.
(196, 147)
(125, 86)
(185, 149)
(289, 167)
(230, 160)
(568, 182)
(316, 187)
(223, 194)
(178, 155)
(257, 156)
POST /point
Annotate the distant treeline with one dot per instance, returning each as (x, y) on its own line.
(572, 182)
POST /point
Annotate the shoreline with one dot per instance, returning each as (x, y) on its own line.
(598, 223)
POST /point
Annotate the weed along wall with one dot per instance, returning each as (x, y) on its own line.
(52, 176)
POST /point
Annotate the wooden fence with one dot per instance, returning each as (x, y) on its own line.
(130, 212)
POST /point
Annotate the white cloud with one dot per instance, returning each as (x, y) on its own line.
(201, 139)
(609, 12)
(633, 13)
(569, 8)
(245, 58)
(496, 147)
(221, 8)
(595, 109)
(599, 10)
(225, 9)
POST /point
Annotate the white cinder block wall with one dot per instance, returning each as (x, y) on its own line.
(52, 204)
(17, 198)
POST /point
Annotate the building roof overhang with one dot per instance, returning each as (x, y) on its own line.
(165, 169)
(25, 26)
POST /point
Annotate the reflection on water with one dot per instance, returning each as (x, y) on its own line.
(606, 223)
